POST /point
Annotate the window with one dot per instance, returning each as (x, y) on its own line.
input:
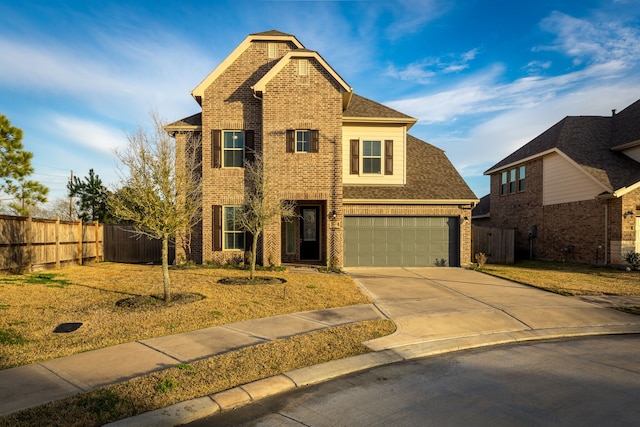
(233, 147)
(233, 232)
(303, 141)
(521, 176)
(290, 231)
(512, 181)
(503, 183)
(371, 156)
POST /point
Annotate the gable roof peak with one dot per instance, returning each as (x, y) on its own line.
(272, 33)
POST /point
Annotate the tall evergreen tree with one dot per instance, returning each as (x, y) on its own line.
(91, 197)
(15, 168)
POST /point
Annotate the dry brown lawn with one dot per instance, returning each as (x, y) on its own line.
(570, 279)
(32, 305)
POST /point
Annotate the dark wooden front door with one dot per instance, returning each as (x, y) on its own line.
(310, 233)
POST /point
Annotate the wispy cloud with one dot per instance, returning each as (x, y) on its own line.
(90, 134)
(590, 42)
(425, 70)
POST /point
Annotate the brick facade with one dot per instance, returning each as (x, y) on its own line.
(589, 231)
(243, 95)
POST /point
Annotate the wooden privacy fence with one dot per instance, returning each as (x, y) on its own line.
(497, 243)
(28, 244)
(121, 245)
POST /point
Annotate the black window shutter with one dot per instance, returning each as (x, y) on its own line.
(217, 227)
(249, 146)
(216, 149)
(355, 156)
(388, 157)
(315, 141)
(291, 141)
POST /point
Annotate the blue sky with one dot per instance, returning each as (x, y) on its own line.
(483, 77)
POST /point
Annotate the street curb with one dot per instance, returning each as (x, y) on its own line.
(194, 409)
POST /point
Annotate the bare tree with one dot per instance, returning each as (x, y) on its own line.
(260, 207)
(160, 188)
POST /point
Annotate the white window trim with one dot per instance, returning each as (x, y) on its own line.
(362, 157)
(224, 149)
(308, 132)
(225, 231)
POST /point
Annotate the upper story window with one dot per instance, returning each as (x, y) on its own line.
(372, 157)
(513, 180)
(303, 141)
(521, 177)
(233, 148)
(371, 160)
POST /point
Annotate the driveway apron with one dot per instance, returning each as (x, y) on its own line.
(433, 304)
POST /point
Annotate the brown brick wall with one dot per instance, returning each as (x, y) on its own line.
(313, 102)
(589, 231)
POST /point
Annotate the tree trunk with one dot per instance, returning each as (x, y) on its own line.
(254, 249)
(165, 269)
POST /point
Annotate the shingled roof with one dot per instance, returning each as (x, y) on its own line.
(362, 107)
(188, 123)
(430, 176)
(588, 141)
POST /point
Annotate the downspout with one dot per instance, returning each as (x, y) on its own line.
(606, 233)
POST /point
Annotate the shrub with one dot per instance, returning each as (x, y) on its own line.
(633, 258)
(481, 259)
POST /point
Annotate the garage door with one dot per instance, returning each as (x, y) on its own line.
(401, 241)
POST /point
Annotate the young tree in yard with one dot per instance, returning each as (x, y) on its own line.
(259, 207)
(159, 193)
(91, 197)
(15, 167)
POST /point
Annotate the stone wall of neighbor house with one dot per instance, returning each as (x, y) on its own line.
(463, 212)
(624, 234)
(311, 102)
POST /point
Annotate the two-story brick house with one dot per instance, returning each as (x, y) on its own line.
(366, 192)
(573, 192)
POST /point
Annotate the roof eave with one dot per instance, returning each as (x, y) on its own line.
(198, 92)
(408, 121)
(471, 202)
(520, 161)
(626, 146)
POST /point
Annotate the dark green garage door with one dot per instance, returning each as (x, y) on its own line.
(401, 241)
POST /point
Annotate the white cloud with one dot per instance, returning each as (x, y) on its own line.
(425, 70)
(600, 41)
(89, 134)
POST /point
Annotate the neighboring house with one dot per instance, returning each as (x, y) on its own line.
(366, 192)
(573, 193)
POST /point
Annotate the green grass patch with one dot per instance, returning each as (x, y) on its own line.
(11, 337)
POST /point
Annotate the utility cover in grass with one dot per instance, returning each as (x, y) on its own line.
(64, 328)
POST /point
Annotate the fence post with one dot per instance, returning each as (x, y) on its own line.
(79, 242)
(57, 233)
(29, 245)
(95, 233)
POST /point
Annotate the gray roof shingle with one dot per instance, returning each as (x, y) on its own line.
(430, 176)
(359, 106)
(588, 140)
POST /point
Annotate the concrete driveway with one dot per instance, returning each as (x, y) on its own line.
(444, 309)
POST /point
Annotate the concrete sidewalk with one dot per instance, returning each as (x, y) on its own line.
(36, 384)
(436, 310)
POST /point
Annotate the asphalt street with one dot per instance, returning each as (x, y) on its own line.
(573, 382)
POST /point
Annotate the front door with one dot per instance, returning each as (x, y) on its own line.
(310, 233)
